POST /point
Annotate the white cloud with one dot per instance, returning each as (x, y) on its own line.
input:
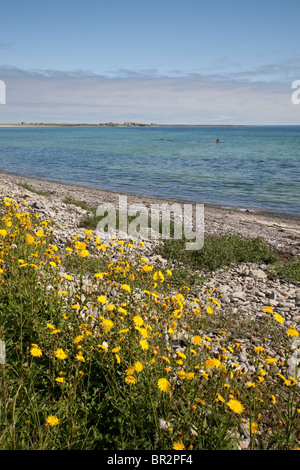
(146, 96)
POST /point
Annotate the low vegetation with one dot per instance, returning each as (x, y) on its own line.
(120, 356)
(32, 190)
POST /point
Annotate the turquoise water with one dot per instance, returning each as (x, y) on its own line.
(252, 167)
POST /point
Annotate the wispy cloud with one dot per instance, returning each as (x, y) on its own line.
(147, 96)
(281, 71)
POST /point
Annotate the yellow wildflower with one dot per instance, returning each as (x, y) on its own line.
(178, 445)
(292, 331)
(190, 376)
(199, 400)
(253, 428)
(197, 340)
(270, 360)
(52, 420)
(212, 363)
(147, 268)
(80, 357)
(102, 299)
(220, 398)
(130, 380)
(251, 384)
(235, 406)
(273, 399)
(60, 379)
(126, 287)
(130, 370)
(144, 344)
(60, 354)
(182, 374)
(55, 331)
(268, 309)
(138, 366)
(138, 321)
(143, 331)
(110, 307)
(107, 324)
(163, 384)
(166, 359)
(258, 349)
(84, 253)
(35, 351)
(278, 318)
(100, 275)
(29, 239)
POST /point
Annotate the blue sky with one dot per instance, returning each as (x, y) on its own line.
(165, 61)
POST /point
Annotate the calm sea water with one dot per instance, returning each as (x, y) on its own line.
(252, 167)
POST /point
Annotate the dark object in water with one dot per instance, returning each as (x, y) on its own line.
(217, 141)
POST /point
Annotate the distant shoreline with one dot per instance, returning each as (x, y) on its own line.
(111, 124)
(133, 124)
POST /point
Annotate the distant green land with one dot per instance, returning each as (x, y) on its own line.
(109, 124)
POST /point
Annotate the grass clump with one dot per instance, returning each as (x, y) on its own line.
(32, 190)
(289, 271)
(121, 358)
(219, 252)
(70, 200)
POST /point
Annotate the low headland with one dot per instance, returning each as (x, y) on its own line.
(109, 124)
(121, 343)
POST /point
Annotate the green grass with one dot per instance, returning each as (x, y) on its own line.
(70, 200)
(289, 271)
(219, 252)
(32, 190)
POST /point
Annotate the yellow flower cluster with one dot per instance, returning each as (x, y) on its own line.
(147, 338)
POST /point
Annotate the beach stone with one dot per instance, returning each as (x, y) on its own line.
(243, 428)
(238, 295)
(293, 367)
(271, 295)
(285, 305)
(244, 443)
(242, 358)
(258, 274)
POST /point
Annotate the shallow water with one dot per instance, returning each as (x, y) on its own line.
(252, 167)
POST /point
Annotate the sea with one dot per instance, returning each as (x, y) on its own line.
(251, 168)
